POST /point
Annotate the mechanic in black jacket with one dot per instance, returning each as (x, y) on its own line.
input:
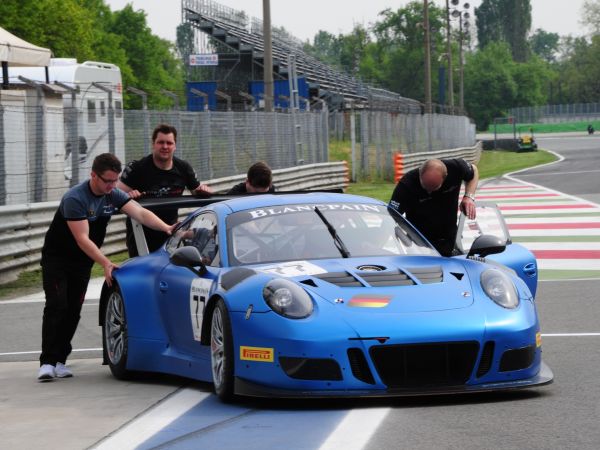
(71, 246)
(258, 180)
(160, 174)
(429, 198)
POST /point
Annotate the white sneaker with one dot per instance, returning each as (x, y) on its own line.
(62, 371)
(46, 373)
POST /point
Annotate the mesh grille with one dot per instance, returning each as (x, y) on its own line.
(425, 365)
(487, 356)
(360, 368)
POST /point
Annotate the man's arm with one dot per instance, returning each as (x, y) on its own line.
(80, 230)
(146, 217)
(133, 193)
(467, 204)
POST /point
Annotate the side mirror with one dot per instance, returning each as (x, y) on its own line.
(486, 244)
(189, 257)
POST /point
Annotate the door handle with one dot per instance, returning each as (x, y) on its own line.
(163, 286)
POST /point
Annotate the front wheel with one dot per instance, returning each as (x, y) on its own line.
(114, 334)
(221, 352)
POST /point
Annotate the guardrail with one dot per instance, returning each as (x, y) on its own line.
(413, 160)
(23, 227)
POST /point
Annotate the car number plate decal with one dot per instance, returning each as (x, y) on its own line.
(198, 297)
(292, 269)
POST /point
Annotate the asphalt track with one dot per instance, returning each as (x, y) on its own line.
(94, 410)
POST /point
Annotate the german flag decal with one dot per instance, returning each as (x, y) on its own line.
(370, 301)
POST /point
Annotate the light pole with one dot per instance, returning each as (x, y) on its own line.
(463, 16)
(268, 56)
(449, 56)
(427, 57)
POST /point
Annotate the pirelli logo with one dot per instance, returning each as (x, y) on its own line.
(261, 354)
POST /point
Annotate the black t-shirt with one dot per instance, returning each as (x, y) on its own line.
(144, 176)
(240, 188)
(80, 203)
(435, 214)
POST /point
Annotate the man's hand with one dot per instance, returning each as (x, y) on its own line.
(134, 193)
(108, 270)
(467, 207)
(203, 190)
(170, 228)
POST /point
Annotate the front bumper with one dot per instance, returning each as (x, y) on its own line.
(250, 389)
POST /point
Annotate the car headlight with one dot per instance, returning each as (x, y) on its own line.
(499, 287)
(287, 299)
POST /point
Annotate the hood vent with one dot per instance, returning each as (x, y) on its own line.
(388, 278)
(341, 279)
(427, 275)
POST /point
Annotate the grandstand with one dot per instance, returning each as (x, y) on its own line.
(238, 40)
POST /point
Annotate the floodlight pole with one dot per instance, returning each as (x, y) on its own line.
(268, 56)
(427, 57)
(449, 55)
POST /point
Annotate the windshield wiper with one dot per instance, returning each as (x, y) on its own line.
(339, 244)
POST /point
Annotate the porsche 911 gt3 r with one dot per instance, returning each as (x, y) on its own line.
(323, 294)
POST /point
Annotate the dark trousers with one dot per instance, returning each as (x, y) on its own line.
(65, 289)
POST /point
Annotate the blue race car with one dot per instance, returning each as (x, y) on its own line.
(322, 295)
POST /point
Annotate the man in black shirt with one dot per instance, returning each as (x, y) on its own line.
(259, 180)
(71, 246)
(160, 174)
(429, 197)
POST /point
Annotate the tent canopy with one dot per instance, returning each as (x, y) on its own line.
(17, 52)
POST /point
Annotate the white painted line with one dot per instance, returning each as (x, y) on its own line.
(542, 212)
(568, 264)
(143, 427)
(567, 246)
(568, 219)
(542, 232)
(356, 429)
(554, 280)
(570, 334)
(37, 352)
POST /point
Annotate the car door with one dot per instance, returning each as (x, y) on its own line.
(489, 220)
(183, 293)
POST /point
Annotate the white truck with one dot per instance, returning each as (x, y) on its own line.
(92, 113)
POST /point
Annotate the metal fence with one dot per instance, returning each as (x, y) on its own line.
(375, 135)
(46, 147)
(574, 112)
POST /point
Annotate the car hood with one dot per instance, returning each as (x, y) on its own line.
(406, 284)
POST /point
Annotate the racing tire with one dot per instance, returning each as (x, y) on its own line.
(221, 352)
(114, 334)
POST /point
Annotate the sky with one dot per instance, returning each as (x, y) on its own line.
(340, 16)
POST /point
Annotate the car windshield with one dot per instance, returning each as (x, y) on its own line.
(295, 232)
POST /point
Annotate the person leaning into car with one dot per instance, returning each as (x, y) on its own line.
(160, 174)
(258, 180)
(429, 195)
(71, 246)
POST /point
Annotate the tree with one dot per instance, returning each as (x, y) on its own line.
(400, 43)
(505, 20)
(325, 47)
(590, 15)
(545, 45)
(489, 85)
